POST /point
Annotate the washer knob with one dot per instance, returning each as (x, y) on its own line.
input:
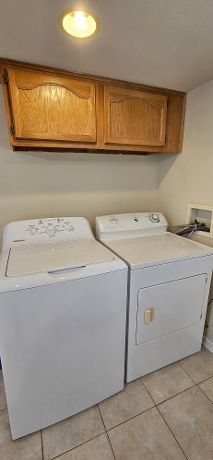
(114, 220)
(68, 227)
(51, 230)
(33, 231)
(155, 218)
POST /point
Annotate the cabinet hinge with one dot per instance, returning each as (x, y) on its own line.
(12, 129)
(5, 78)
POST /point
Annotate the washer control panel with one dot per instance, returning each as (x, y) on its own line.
(50, 226)
(45, 230)
(130, 225)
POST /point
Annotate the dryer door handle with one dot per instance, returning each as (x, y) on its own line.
(149, 315)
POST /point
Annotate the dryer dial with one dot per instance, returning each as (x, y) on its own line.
(155, 218)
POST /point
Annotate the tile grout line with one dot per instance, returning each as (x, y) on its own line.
(177, 394)
(113, 453)
(170, 397)
(196, 383)
(101, 417)
(146, 410)
(82, 443)
(42, 446)
(204, 391)
(75, 447)
(131, 418)
(151, 408)
(156, 405)
(187, 373)
(187, 458)
(147, 391)
(104, 432)
(204, 380)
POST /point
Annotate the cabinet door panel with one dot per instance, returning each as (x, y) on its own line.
(134, 117)
(46, 106)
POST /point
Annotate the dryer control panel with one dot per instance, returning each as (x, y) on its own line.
(130, 225)
(43, 230)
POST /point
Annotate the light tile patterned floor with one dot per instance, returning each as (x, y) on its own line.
(166, 415)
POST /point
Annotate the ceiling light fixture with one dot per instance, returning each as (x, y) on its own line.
(79, 24)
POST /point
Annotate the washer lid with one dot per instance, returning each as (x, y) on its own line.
(156, 249)
(55, 256)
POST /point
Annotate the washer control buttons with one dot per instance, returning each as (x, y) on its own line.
(50, 227)
(51, 230)
(68, 227)
(114, 220)
(155, 218)
(33, 230)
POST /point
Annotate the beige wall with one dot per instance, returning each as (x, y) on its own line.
(57, 184)
(188, 177)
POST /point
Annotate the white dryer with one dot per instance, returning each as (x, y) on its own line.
(62, 321)
(169, 279)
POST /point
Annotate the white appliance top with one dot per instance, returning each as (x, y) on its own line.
(156, 249)
(44, 251)
(55, 257)
(151, 244)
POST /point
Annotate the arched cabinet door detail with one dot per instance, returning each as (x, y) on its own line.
(51, 107)
(134, 117)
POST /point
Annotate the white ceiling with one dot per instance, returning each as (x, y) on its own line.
(165, 43)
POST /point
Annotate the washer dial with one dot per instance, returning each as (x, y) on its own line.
(51, 230)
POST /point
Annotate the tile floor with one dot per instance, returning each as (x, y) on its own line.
(167, 415)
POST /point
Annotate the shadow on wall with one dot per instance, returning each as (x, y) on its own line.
(172, 180)
(166, 161)
(115, 171)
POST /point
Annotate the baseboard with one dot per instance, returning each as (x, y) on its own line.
(208, 344)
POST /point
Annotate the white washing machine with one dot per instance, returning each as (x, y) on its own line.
(62, 321)
(169, 278)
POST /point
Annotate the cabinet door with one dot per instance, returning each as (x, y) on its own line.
(134, 117)
(47, 106)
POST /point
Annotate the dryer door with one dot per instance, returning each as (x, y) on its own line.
(168, 307)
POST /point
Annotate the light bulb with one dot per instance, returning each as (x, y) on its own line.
(79, 24)
(80, 20)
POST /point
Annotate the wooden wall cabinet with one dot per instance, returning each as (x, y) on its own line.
(49, 109)
(134, 117)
